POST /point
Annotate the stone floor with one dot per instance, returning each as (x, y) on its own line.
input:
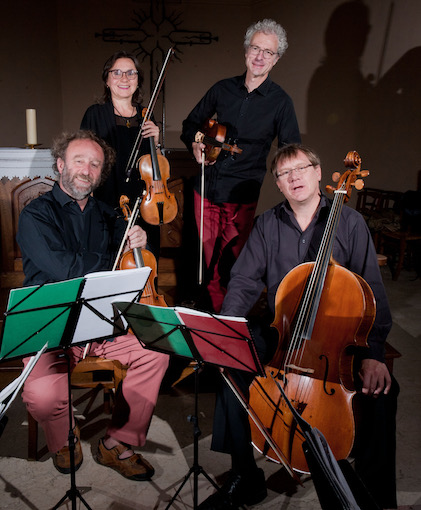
(37, 485)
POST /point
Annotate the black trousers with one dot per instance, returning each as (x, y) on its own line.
(375, 444)
(231, 429)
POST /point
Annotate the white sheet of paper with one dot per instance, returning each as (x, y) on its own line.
(12, 389)
(100, 290)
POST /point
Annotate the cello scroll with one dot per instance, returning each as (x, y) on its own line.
(351, 177)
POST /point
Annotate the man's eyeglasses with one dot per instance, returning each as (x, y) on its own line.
(267, 54)
(118, 74)
(299, 170)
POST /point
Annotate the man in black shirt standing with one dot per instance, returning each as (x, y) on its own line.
(67, 233)
(255, 111)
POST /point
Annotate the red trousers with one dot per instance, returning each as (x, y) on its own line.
(226, 228)
(46, 392)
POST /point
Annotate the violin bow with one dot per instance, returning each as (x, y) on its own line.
(131, 221)
(202, 194)
(134, 156)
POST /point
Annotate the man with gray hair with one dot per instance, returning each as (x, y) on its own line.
(254, 110)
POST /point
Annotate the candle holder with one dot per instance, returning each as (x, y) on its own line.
(32, 145)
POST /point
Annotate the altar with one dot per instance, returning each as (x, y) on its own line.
(25, 163)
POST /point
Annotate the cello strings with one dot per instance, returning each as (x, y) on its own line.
(314, 288)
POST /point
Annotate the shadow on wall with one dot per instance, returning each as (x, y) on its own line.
(378, 117)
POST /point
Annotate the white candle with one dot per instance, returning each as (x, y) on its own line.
(31, 126)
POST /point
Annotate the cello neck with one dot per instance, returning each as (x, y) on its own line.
(349, 178)
(326, 247)
(311, 299)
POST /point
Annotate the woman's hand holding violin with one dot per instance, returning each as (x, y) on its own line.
(151, 129)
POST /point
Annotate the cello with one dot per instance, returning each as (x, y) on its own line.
(321, 311)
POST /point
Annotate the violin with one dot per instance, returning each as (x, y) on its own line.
(140, 258)
(318, 323)
(214, 136)
(158, 206)
(134, 155)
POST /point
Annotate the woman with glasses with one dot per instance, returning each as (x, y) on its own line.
(117, 118)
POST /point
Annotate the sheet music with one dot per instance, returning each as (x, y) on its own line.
(99, 291)
(12, 389)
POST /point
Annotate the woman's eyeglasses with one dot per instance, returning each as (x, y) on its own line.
(118, 74)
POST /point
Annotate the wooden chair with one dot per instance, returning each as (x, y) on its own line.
(407, 237)
(14, 195)
(171, 239)
(378, 208)
(405, 241)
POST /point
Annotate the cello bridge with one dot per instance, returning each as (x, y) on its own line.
(300, 369)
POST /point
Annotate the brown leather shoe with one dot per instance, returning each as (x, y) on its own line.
(61, 459)
(133, 468)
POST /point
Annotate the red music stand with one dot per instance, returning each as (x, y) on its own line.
(200, 336)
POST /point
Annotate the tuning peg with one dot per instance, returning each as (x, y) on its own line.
(330, 189)
(359, 184)
(364, 173)
(336, 176)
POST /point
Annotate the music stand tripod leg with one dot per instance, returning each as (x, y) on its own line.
(73, 493)
(196, 468)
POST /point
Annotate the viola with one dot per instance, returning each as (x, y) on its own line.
(137, 257)
(317, 321)
(158, 206)
(214, 138)
(140, 258)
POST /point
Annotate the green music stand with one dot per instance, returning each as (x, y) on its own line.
(64, 314)
(68, 313)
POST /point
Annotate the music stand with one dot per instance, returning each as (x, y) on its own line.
(203, 337)
(68, 313)
(336, 484)
(65, 314)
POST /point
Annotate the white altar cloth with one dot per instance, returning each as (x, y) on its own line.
(23, 163)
